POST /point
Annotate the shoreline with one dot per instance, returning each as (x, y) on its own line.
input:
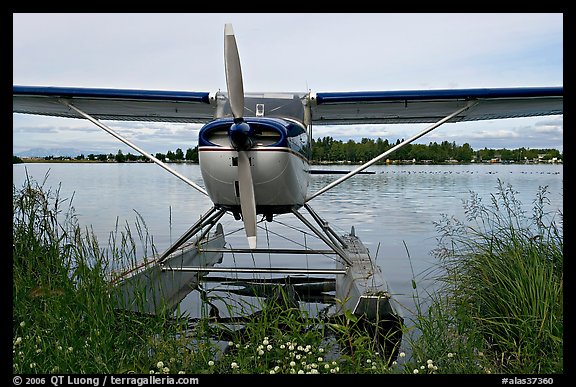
(32, 160)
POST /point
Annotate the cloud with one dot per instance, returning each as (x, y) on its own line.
(287, 52)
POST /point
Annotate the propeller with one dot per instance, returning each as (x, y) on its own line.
(240, 134)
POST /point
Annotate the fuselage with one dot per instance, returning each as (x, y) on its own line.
(279, 161)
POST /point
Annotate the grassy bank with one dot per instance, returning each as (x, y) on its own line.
(499, 311)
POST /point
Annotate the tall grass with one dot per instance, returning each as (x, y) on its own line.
(500, 307)
(63, 319)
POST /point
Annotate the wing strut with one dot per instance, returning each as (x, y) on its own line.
(469, 104)
(136, 148)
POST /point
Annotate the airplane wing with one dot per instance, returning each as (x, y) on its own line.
(327, 108)
(426, 106)
(116, 104)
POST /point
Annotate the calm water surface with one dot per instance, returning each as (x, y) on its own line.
(393, 211)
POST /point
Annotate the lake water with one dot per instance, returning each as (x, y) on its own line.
(393, 211)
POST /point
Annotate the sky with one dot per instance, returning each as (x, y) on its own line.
(287, 52)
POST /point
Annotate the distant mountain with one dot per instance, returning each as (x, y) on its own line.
(65, 152)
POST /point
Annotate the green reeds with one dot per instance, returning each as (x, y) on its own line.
(63, 317)
(502, 293)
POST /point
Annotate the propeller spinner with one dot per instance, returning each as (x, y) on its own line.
(240, 134)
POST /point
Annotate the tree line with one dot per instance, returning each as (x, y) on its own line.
(329, 150)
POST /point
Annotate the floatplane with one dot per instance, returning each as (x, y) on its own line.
(254, 154)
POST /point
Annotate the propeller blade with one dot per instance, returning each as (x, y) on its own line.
(233, 73)
(240, 133)
(247, 199)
